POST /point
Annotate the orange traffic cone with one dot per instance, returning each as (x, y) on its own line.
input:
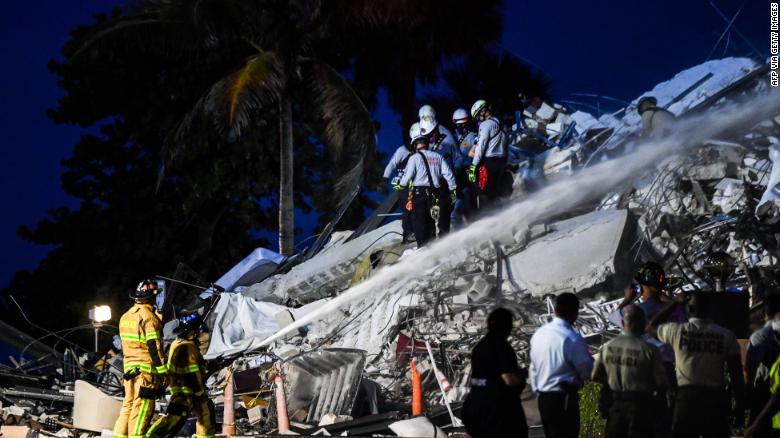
(281, 406)
(417, 398)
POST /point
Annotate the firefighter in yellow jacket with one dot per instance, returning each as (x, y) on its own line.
(140, 329)
(187, 378)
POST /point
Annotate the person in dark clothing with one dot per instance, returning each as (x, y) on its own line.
(704, 354)
(493, 407)
(762, 350)
(633, 370)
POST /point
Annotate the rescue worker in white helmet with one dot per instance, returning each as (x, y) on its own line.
(442, 142)
(187, 376)
(465, 140)
(395, 169)
(424, 171)
(140, 330)
(490, 154)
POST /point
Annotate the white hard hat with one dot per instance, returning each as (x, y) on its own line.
(427, 126)
(478, 107)
(415, 132)
(460, 116)
(426, 112)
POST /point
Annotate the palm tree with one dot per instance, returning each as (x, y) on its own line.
(276, 52)
(280, 70)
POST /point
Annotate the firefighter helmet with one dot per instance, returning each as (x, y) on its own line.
(188, 322)
(428, 126)
(477, 108)
(460, 116)
(650, 100)
(651, 274)
(416, 133)
(146, 289)
(426, 112)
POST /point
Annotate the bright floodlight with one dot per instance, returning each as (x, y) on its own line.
(100, 314)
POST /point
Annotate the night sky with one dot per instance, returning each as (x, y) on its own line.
(614, 48)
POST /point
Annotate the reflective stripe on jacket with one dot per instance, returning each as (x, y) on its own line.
(186, 368)
(138, 328)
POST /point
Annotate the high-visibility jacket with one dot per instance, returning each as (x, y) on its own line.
(774, 386)
(141, 331)
(186, 368)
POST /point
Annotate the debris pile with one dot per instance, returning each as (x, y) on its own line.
(363, 367)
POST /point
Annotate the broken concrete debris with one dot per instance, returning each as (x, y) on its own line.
(347, 372)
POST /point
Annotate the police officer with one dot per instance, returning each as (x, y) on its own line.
(187, 375)
(424, 170)
(140, 329)
(633, 369)
(651, 280)
(465, 140)
(493, 407)
(490, 154)
(441, 141)
(703, 351)
(394, 169)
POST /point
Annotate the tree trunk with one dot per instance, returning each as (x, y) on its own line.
(286, 207)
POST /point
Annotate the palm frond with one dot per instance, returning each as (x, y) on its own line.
(230, 104)
(258, 82)
(349, 126)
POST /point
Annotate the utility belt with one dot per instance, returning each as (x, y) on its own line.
(632, 396)
(424, 191)
(712, 390)
(564, 388)
(132, 374)
(431, 193)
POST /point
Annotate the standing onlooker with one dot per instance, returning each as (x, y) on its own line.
(493, 407)
(761, 354)
(703, 352)
(633, 369)
(772, 406)
(560, 364)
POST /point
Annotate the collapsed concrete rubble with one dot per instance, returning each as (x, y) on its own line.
(347, 371)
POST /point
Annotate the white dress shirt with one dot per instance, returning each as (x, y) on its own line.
(558, 355)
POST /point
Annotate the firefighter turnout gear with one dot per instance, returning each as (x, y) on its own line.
(140, 330)
(187, 376)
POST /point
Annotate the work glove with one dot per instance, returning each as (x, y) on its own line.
(382, 187)
(397, 187)
(473, 173)
(454, 196)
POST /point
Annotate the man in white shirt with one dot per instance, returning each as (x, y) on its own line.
(560, 365)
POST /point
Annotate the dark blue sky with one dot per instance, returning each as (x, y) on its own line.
(618, 48)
